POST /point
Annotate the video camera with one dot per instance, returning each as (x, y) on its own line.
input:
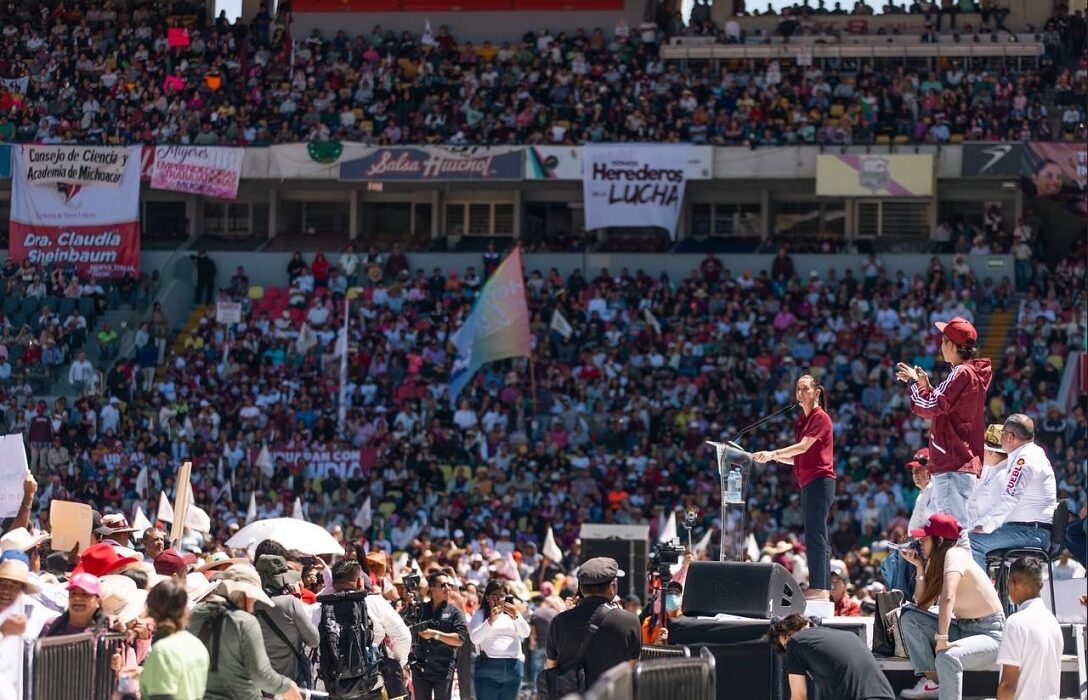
(663, 557)
(411, 581)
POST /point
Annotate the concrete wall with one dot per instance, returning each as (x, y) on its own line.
(271, 268)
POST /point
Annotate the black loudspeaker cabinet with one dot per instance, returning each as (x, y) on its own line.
(748, 589)
(627, 544)
(746, 667)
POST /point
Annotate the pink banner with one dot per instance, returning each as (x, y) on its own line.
(206, 170)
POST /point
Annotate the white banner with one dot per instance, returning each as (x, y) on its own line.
(565, 163)
(634, 185)
(206, 170)
(228, 312)
(103, 166)
(94, 227)
(13, 471)
(16, 84)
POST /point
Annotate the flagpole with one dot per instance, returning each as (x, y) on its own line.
(342, 346)
(532, 380)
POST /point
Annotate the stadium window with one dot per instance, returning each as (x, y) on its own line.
(891, 218)
(479, 218)
(227, 218)
(327, 217)
(727, 220)
(388, 218)
(163, 220)
(809, 217)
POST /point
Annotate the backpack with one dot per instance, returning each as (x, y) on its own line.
(886, 623)
(349, 659)
(561, 681)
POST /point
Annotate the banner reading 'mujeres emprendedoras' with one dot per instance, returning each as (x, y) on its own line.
(634, 185)
(64, 219)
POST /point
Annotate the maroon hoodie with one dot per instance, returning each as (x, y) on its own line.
(956, 408)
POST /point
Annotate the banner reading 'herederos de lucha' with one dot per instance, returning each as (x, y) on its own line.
(634, 185)
(77, 206)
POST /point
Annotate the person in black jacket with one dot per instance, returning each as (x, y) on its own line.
(434, 654)
(839, 663)
(205, 278)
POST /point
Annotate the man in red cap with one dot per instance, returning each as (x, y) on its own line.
(955, 409)
(897, 573)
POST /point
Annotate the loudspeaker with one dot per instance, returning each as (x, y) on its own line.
(748, 589)
(627, 544)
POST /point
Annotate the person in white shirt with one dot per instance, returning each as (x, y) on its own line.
(897, 573)
(82, 374)
(21, 618)
(992, 480)
(1030, 654)
(1022, 513)
(497, 630)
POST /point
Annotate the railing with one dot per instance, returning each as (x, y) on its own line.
(71, 666)
(664, 678)
(660, 651)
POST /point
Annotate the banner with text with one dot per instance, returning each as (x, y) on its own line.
(102, 166)
(91, 225)
(435, 164)
(206, 170)
(565, 163)
(629, 185)
(321, 462)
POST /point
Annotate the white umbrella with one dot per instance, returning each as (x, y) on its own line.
(307, 538)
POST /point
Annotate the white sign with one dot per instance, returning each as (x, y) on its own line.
(565, 163)
(634, 185)
(75, 165)
(228, 312)
(206, 170)
(13, 471)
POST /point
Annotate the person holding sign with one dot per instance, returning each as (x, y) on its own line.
(813, 459)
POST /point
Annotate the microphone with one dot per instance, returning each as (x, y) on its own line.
(734, 453)
(761, 421)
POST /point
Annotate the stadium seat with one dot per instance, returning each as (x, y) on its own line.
(256, 292)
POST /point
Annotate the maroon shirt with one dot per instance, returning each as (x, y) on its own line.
(819, 461)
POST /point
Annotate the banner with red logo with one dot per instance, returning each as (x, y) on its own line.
(206, 170)
(77, 206)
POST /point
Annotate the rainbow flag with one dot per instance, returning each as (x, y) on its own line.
(496, 328)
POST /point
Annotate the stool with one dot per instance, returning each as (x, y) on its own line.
(1001, 558)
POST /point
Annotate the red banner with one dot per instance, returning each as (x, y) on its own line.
(99, 251)
(177, 37)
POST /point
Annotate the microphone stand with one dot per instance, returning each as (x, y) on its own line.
(748, 428)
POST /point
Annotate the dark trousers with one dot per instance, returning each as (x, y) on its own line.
(497, 679)
(204, 288)
(816, 506)
(464, 671)
(432, 688)
(1076, 540)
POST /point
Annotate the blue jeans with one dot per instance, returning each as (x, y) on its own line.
(976, 647)
(898, 574)
(951, 490)
(497, 679)
(1006, 537)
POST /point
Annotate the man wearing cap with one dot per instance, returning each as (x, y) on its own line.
(845, 605)
(225, 623)
(287, 627)
(955, 409)
(618, 638)
(1021, 507)
(994, 462)
(84, 608)
(897, 573)
(171, 562)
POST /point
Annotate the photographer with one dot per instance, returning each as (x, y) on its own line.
(654, 629)
(434, 655)
(497, 630)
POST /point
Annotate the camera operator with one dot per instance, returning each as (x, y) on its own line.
(654, 629)
(434, 655)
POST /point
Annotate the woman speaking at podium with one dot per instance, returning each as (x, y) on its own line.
(812, 457)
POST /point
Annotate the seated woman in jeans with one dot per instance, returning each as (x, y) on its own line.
(941, 648)
(497, 630)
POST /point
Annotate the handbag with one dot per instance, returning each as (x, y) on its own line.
(558, 682)
(304, 678)
(887, 605)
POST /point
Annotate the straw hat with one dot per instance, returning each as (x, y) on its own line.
(121, 598)
(15, 570)
(242, 579)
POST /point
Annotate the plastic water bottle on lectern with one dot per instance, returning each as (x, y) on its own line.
(732, 490)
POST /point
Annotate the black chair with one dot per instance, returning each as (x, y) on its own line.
(1001, 558)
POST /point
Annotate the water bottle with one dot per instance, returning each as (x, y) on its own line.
(732, 488)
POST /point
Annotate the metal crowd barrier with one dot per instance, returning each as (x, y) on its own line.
(664, 679)
(70, 666)
(676, 675)
(661, 651)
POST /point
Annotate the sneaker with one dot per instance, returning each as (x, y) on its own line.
(924, 688)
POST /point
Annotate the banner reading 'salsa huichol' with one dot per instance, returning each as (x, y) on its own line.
(90, 224)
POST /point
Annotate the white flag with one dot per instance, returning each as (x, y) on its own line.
(165, 511)
(364, 517)
(751, 547)
(704, 544)
(140, 522)
(195, 518)
(141, 483)
(264, 462)
(306, 340)
(652, 320)
(251, 512)
(296, 512)
(668, 533)
(560, 325)
(428, 34)
(551, 549)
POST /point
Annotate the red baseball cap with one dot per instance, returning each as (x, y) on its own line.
(922, 455)
(171, 561)
(958, 330)
(102, 559)
(915, 464)
(939, 525)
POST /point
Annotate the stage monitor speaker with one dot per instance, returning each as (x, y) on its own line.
(627, 544)
(748, 589)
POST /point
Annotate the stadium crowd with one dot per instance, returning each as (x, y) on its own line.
(109, 75)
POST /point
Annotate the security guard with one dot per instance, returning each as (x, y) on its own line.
(435, 654)
(1022, 512)
(619, 637)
